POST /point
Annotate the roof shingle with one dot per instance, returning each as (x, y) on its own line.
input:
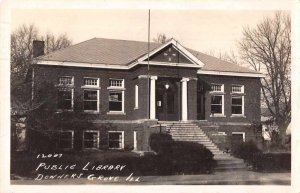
(123, 52)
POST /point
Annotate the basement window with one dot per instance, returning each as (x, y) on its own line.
(91, 139)
(116, 139)
(65, 139)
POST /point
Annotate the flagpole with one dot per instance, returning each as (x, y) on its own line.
(148, 67)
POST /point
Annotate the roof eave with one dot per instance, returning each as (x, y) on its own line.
(227, 73)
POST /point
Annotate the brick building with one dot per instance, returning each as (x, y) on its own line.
(129, 94)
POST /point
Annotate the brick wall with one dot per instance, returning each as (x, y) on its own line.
(251, 98)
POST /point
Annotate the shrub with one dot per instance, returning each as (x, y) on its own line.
(247, 151)
(272, 162)
(177, 157)
(189, 157)
(159, 142)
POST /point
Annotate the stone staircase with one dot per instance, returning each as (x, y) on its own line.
(186, 131)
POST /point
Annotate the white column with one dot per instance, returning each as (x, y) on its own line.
(152, 97)
(184, 99)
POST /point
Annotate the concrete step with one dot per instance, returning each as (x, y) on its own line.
(187, 134)
(230, 161)
(232, 168)
(191, 132)
(203, 139)
(182, 133)
(183, 126)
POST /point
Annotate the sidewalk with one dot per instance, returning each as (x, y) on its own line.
(218, 178)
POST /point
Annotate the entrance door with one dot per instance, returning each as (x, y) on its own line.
(167, 101)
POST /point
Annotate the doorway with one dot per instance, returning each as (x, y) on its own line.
(167, 99)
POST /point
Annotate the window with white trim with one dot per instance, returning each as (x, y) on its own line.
(65, 139)
(90, 100)
(91, 81)
(237, 105)
(116, 95)
(65, 93)
(91, 139)
(217, 99)
(116, 139)
(237, 89)
(91, 94)
(237, 100)
(116, 101)
(217, 87)
(65, 80)
(116, 83)
(217, 104)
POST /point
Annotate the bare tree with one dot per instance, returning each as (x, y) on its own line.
(21, 49)
(226, 56)
(267, 48)
(160, 38)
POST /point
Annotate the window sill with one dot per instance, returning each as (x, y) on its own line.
(217, 93)
(218, 115)
(91, 87)
(91, 112)
(64, 86)
(116, 88)
(242, 116)
(115, 113)
(61, 111)
(238, 93)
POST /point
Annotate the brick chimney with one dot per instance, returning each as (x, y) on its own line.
(38, 48)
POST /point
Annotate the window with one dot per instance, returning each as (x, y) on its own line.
(91, 81)
(115, 101)
(217, 104)
(136, 97)
(217, 99)
(237, 100)
(65, 93)
(116, 83)
(65, 140)
(91, 139)
(91, 94)
(116, 139)
(237, 89)
(116, 95)
(217, 88)
(237, 105)
(65, 99)
(238, 137)
(90, 100)
(65, 80)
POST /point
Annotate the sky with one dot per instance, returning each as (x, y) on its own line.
(208, 31)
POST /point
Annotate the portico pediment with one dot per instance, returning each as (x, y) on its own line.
(171, 53)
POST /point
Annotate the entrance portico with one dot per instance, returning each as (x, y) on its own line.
(169, 98)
